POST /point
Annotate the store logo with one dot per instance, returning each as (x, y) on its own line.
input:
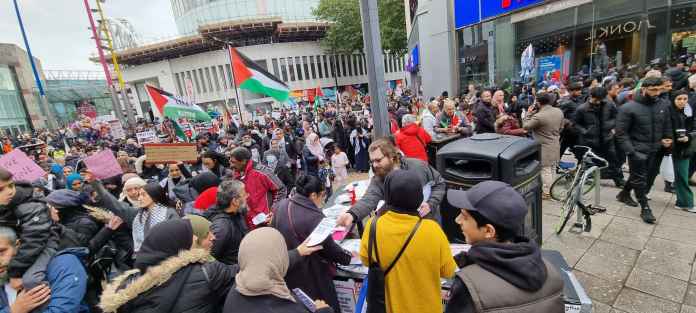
(468, 59)
(508, 3)
(627, 27)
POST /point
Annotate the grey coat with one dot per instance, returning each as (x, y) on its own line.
(547, 125)
(429, 122)
(425, 173)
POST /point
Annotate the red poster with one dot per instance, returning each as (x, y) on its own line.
(87, 110)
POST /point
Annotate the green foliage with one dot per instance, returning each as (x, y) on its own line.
(345, 34)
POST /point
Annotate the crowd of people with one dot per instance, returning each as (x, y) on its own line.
(229, 232)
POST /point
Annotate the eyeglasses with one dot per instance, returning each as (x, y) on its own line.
(653, 89)
(378, 160)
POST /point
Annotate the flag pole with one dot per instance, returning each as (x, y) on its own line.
(236, 91)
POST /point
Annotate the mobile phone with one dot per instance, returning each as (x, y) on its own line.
(536, 106)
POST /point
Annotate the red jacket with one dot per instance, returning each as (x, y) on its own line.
(511, 126)
(407, 142)
(264, 190)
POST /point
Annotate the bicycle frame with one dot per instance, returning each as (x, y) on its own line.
(580, 201)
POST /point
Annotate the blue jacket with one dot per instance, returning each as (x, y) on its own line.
(68, 280)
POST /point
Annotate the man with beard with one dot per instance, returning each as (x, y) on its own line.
(227, 218)
(65, 274)
(203, 141)
(643, 126)
(385, 158)
(252, 146)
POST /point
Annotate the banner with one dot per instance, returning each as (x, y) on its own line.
(550, 72)
(87, 110)
(21, 166)
(116, 129)
(146, 137)
(527, 63)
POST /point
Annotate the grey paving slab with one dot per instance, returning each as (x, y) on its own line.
(657, 285)
(614, 252)
(570, 255)
(599, 307)
(665, 265)
(546, 233)
(603, 267)
(631, 226)
(690, 296)
(634, 212)
(601, 219)
(673, 211)
(688, 309)
(621, 238)
(595, 232)
(675, 233)
(574, 241)
(603, 290)
(616, 311)
(634, 301)
(612, 207)
(693, 274)
(548, 220)
(678, 220)
(671, 248)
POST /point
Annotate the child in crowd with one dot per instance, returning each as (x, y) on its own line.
(339, 161)
(20, 204)
(326, 175)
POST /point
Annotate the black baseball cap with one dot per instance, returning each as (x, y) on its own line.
(495, 200)
(391, 109)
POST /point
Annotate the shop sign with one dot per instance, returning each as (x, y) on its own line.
(412, 59)
(475, 54)
(470, 59)
(467, 12)
(490, 8)
(546, 9)
(618, 29)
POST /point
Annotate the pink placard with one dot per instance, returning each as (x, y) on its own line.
(21, 166)
(103, 165)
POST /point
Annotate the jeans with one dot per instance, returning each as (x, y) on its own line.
(638, 164)
(548, 176)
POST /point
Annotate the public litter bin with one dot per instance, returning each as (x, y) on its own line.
(509, 159)
(440, 140)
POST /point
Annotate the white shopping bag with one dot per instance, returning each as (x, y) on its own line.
(666, 169)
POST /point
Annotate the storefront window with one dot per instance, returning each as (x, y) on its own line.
(683, 33)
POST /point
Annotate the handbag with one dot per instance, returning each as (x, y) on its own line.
(330, 265)
(375, 285)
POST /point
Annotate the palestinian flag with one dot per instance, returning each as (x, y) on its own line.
(172, 106)
(250, 76)
(421, 107)
(455, 120)
(227, 110)
(258, 112)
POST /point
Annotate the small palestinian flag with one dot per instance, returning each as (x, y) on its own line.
(258, 112)
(455, 120)
(250, 76)
(421, 107)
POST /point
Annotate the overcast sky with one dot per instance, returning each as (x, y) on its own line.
(57, 29)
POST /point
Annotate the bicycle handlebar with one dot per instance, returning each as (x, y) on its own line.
(591, 155)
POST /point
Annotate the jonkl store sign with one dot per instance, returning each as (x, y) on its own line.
(617, 29)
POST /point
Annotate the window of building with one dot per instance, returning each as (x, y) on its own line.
(222, 75)
(229, 75)
(178, 84)
(195, 81)
(386, 67)
(321, 74)
(291, 70)
(306, 68)
(355, 64)
(326, 67)
(207, 77)
(360, 64)
(275, 67)
(311, 62)
(350, 65)
(215, 76)
(298, 67)
(343, 65)
(283, 70)
(202, 78)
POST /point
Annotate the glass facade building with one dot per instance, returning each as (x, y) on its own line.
(13, 114)
(189, 14)
(622, 36)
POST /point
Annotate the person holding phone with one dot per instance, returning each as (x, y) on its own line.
(451, 121)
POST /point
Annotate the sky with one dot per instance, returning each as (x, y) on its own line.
(57, 29)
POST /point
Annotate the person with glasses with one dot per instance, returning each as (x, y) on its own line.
(385, 158)
(643, 126)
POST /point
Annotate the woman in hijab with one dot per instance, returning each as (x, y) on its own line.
(131, 191)
(295, 219)
(273, 160)
(313, 153)
(201, 228)
(154, 208)
(168, 264)
(188, 191)
(426, 251)
(360, 140)
(217, 164)
(113, 185)
(498, 102)
(75, 182)
(259, 287)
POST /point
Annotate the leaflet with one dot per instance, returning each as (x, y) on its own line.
(323, 230)
(353, 245)
(262, 217)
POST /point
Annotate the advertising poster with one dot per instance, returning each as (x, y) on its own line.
(550, 70)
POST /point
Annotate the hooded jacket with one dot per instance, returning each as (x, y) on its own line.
(177, 284)
(34, 218)
(510, 125)
(680, 79)
(641, 124)
(594, 122)
(264, 189)
(411, 140)
(148, 172)
(499, 277)
(569, 105)
(229, 230)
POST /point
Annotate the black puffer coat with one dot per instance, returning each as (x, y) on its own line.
(486, 118)
(229, 230)
(569, 106)
(641, 124)
(594, 122)
(82, 224)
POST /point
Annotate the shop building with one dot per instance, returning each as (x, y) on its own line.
(489, 40)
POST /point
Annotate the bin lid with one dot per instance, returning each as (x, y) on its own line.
(487, 136)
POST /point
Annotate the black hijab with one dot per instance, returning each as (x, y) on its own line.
(401, 194)
(205, 181)
(164, 240)
(115, 180)
(220, 161)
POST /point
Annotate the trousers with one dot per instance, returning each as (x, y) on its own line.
(638, 164)
(685, 196)
(548, 176)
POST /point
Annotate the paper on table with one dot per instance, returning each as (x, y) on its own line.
(322, 231)
(306, 300)
(262, 217)
(344, 198)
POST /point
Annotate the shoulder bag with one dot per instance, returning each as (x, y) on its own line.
(375, 284)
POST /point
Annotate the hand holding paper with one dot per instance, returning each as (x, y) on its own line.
(322, 231)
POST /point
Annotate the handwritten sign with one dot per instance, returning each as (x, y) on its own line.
(246, 117)
(21, 166)
(103, 165)
(146, 137)
(168, 153)
(116, 129)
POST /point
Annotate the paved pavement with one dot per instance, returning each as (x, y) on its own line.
(624, 264)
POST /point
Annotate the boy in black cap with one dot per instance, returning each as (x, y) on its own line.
(502, 271)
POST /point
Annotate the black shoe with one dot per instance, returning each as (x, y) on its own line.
(619, 182)
(626, 199)
(670, 188)
(647, 216)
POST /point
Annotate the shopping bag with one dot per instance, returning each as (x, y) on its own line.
(666, 169)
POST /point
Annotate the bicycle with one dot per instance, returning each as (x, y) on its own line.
(563, 183)
(586, 167)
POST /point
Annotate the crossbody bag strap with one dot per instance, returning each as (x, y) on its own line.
(210, 286)
(421, 141)
(403, 248)
(298, 237)
(371, 239)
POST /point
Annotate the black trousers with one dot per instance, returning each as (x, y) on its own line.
(638, 165)
(568, 140)
(613, 170)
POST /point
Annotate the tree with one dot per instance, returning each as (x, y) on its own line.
(345, 33)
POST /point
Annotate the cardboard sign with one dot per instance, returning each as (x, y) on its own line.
(146, 137)
(168, 153)
(21, 166)
(261, 119)
(116, 129)
(103, 165)
(246, 117)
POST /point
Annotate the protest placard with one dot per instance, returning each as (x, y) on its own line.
(116, 129)
(146, 137)
(246, 117)
(167, 153)
(275, 115)
(261, 119)
(103, 165)
(187, 129)
(21, 166)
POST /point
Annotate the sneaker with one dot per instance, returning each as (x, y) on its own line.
(567, 152)
(619, 182)
(647, 196)
(670, 188)
(692, 210)
(546, 197)
(627, 199)
(692, 182)
(647, 216)
(624, 168)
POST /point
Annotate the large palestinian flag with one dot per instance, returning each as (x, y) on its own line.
(174, 107)
(250, 76)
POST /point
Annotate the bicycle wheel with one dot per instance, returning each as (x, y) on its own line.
(564, 182)
(567, 211)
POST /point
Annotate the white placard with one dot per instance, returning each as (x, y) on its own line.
(346, 295)
(275, 115)
(323, 230)
(261, 119)
(116, 129)
(146, 137)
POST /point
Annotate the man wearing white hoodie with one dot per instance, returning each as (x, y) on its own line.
(428, 118)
